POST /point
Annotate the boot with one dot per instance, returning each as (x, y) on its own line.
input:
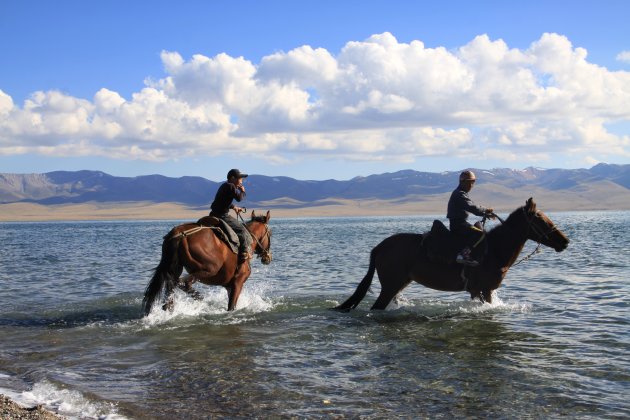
(465, 258)
(243, 256)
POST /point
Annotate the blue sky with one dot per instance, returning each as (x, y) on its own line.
(312, 90)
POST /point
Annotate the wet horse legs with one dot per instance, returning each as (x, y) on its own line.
(185, 284)
(234, 291)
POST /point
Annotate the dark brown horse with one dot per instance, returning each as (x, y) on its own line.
(398, 260)
(206, 258)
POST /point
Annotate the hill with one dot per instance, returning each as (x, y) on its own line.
(602, 187)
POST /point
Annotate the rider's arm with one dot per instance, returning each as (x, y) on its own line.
(469, 206)
(238, 193)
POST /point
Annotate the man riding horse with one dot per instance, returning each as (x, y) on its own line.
(233, 189)
(459, 206)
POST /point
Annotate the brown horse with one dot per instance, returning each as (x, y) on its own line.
(398, 260)
(196, 247)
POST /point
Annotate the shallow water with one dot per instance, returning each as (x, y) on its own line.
(554, 343)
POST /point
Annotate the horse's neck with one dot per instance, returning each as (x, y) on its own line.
(506, 242)
(253, 232)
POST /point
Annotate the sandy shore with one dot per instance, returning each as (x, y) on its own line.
(502, 201)
(10, 410)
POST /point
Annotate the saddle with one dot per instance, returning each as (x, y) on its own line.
(223, 231)
(442, 246)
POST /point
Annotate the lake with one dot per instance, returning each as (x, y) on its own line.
(554, 343)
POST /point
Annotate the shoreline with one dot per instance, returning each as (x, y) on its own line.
(30, 212)
(9, 409)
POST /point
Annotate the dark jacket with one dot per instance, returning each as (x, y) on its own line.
(223, 200)
(459, 206)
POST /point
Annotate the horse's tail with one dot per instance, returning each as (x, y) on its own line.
(362, 288)
(165, 274)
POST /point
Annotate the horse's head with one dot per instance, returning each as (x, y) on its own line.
(258, 226)
(541, 229)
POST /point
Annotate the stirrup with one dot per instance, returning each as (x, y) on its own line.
(466, 261)
(244, 257)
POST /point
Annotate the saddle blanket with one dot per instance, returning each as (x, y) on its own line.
(222, 230)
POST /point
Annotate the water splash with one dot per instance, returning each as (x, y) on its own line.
(68, 403)
(437, 308)
(255, 298)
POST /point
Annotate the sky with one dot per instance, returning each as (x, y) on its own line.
(312, 89)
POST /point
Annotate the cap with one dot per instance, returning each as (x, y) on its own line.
(467, 176)
(236, 173)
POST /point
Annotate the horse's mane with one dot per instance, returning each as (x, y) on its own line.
(510, 221)
(259, 219)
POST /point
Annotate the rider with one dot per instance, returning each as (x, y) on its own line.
(459, 206)
(233, 189)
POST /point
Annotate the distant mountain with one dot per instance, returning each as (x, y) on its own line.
(63, 187)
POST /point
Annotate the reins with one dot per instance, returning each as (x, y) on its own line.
(263, 252)
(538, 232)
(535, 251)
(530, 226)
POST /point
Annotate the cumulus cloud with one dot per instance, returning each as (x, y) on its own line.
(624, 56)
(375, 99)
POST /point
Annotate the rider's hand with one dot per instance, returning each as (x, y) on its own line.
(238, 209)
(490, 214)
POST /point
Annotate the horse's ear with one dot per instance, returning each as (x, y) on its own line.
(530, 205)
(268, 216)
(253, 214)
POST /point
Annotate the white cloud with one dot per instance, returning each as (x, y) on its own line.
(624, 56)
(376, 99)
(6, 104)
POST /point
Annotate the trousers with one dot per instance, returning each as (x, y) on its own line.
(245, 239)
(471, 234)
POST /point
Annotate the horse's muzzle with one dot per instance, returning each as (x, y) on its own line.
(266, 258)
(562, 246)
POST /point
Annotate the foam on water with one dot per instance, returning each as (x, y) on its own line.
(441, 308)
(554, 343)
(254, 299)
(68, 403)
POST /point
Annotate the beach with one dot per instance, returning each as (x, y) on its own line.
(10, 410)
(502, 200)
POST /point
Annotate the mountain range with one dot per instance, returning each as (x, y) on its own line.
(605, 185)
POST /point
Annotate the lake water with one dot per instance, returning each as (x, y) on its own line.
(555, 343)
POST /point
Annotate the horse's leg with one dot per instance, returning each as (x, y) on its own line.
(169, 304)
(169, 301)
(234, 289)
(384, 298)
(393, 280)
(486, 295)
(186, 283)
(475, 294)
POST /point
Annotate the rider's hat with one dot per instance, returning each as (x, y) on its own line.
(467, 176)
(236, 173)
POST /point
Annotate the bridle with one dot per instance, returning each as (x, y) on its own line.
(260, 251)
(538, 231)
(530, 227)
